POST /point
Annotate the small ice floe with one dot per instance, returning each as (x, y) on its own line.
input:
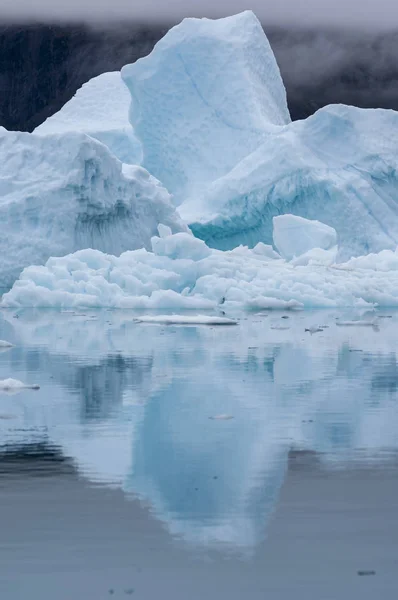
(186, 320)
(13, 386)
(265, 303)
(373, 323)
(4, 345)
(314, 329)
(221, 418)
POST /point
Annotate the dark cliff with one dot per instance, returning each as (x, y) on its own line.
(41, 66)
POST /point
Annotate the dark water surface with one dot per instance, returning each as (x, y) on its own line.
(116, 480)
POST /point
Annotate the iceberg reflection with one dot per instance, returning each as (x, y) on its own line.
(133, 406)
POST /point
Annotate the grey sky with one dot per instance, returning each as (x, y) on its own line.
(370, 14)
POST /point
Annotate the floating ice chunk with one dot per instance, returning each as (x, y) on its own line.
(314, 329)
(100, 109)
(221, 418)
(265, 303)
(183, 273)
(13, 386)
(186, 320)
(357, 323)
(65, 192)
(205, 98)
(4, 344)
(295, 236)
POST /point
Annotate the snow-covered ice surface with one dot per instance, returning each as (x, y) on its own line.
(63, 192)
(204, 99)
(100, 108)
(181, 272)
(134, 407)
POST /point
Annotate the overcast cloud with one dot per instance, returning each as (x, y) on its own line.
(369, 14)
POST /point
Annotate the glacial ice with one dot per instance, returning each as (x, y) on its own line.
(204, 99)
(186, 320)
(100, 108)
(338, 166)
(209, 107)
(181, 272)
(13, 386)
(5, 345)
(294, 236)
(62, 192)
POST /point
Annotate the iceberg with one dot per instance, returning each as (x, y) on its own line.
(209, 107)
(338, 166)
(63, 192)
(204, 99)
(181, 272)
(100, 108)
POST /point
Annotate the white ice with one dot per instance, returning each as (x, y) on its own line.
(209, 107)
(63, 192)
(204, 99)
(13, 386)
(100, 108)
(294, 236)
(5, 344)
(181, 272)
(186, 320)
(338, 166)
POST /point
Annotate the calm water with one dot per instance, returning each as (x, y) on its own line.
(117, 481)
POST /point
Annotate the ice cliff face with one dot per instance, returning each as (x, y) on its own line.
(59, 193)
